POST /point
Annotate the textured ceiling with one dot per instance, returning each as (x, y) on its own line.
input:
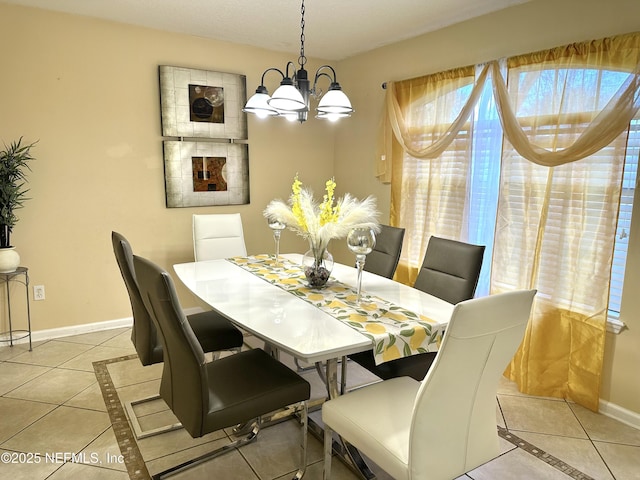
(334, 29)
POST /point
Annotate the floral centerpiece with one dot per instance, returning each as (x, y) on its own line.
(322, 222)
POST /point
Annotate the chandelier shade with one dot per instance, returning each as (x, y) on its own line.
(287, 98)
(258, 104)
(291, 99)
(334, 102)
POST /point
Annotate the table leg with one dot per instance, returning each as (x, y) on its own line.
(272, 350)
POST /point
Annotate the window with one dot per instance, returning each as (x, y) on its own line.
(479, 180)
(624, 218)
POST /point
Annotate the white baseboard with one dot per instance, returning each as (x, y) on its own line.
(51, 333)
(619, 413)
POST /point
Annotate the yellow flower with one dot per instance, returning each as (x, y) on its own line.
(328, 213)
(296, 207)
(321, 222)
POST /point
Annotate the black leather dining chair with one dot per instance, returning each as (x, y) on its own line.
(383, 260)
(450, 271)
(214, 332)
(209, 396)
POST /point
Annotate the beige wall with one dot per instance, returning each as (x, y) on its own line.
(88, 90)
(525, 28)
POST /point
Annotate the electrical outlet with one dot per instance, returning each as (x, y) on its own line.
(38, 292)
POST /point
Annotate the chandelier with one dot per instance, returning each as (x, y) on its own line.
(291, 98)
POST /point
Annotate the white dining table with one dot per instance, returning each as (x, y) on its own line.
(288, 323)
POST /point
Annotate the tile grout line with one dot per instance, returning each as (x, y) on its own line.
(542, 455)
(575, 415)
(136, 467)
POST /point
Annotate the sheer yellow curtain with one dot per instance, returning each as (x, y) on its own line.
(428, 118)
(556, 215)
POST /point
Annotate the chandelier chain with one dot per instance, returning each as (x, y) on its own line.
(302, 60)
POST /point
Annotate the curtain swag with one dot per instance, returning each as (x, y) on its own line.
(605, 126)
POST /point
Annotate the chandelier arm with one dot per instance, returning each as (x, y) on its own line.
(319, 73)
(269, 70)
(322, 74)
(290, 64)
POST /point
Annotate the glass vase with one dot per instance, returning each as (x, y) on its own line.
(317, 264)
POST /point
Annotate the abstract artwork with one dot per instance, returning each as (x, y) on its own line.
(206, 173)
(202, 103)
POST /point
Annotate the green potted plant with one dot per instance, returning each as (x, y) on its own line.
(14, 163)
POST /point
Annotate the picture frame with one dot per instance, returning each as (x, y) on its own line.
(205, 173)
(202, 104)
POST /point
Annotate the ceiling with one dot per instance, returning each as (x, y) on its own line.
(334, 29)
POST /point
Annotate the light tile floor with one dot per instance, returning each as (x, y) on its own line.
(54, 425)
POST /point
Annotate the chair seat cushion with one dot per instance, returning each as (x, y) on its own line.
(377, 420)
(414, 366)
(215, 332)
(248, 384)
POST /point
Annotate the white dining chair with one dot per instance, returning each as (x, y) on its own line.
(445, 425)
(217, 236)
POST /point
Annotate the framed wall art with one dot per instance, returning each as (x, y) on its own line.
(202, 103)
(199, 174)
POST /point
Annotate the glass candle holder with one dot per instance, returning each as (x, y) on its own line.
(361, 242)
(277, 228)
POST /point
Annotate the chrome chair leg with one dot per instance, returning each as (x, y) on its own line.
(208, 456)
(242, 428)
(135, 424)
(328, 452)
(304, 421)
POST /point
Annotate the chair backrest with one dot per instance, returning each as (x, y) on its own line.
(184, 385)
(384, 258)
(450, 269)
(143, 333)
(218, 236)
(454, 419)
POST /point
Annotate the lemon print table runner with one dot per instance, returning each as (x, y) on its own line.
(395, 331)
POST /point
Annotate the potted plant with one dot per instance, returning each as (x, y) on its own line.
(14, 162)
